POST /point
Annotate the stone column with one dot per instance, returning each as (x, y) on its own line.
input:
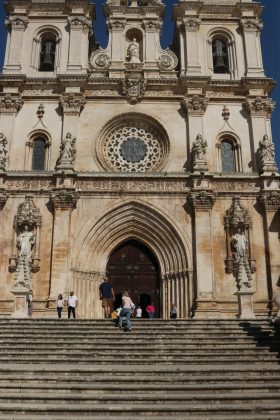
(259, 110)
(10, 104)
(17, 26)
(80, 27)
(64, 201)
(193, 66)
(201, 202)
(117, 47)
(72, 105)
(270, 202)
(251, 39)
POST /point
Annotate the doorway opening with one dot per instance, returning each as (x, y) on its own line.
(134, 268)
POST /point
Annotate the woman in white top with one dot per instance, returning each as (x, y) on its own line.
(139, 312)
(60, 304)
(126, 311)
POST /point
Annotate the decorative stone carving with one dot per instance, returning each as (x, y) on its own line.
(199, 147)
(259, 106)
(195, 104)
(72, 104)
(167, 60)
(27, 214)
(64, 199)
(192, 24)
(152, 25)
(266, 156)
(10, 104)
(237, 220)
(116, 25)
(132, 54)
(100, 59)
(3, 152)
(241, 268)
(22, 275)
(3, 198)
(79, 22)
(226, 113)
(133, 87)
(17, 22)
(251, 25)
(25, 242)
(201, 200)
(40, 111)
(67, 155)
(271, 200)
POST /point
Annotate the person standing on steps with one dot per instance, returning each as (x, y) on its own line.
(60, 304)
(139, 312)
(107, 295)
(151, 310)
(72, 304)
(126, 311)
(30, 303)
(173, 311)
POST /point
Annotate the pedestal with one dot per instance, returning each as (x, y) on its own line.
(20, 303)
(245, 304)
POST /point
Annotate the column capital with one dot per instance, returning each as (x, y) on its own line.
(3, 197)
(270, 200)
(10, 104)
(191, 24)
(195, 104)
(79, 23)
(251, 25)
(201, 200)
(72, 103)
(17, 22)
(259, 106)
(64, 199)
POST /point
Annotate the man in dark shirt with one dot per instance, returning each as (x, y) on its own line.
(107, 295)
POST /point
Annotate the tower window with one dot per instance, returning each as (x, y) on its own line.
(39, 154)
(220, 56)
(228, 156)
(47, 55)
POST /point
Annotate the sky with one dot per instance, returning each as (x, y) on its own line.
(270, 46)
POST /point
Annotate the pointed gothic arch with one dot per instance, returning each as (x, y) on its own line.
(145, 223)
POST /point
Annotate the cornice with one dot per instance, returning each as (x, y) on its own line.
(214, 8)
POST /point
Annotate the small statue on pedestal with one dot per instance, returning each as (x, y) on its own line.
(133, 52)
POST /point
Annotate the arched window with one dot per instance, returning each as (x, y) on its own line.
(228, 156)
(220, 56)
(39, 154)
(47, 53)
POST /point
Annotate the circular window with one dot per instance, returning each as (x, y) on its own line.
(133, 145)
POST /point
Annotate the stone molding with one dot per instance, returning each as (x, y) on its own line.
(251, 25)
(270, 200)
(3, 197)
(17, 22)
(72, 103)
(201, 200)
(259, 106)
(191, 24)
(10, 103)
(237, 215)
(64, 199)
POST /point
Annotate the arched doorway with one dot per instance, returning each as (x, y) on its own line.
(133, 267)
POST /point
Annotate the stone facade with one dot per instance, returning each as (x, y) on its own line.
(139, 142)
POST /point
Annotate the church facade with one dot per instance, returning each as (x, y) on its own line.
(155, 166)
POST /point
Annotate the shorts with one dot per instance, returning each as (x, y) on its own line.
(107, 303)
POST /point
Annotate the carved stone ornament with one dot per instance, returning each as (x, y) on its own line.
(226, 113)
(22, 275)
(64, 199)
(27, 214)
(79, 22)
(152, 25)
(72, 103)
(3, 197)
(67, 155)
(259, 106)
(236, 215)
(17, 22)
(271, 200)
(251, 25)
(192, 24)
(40, 111)
(167, 60)
(201, 200)
(199, 147)
(100, 59)
(10, 103)
(116, 24)
(133, 87)
(266, 156)
(3, 152)
(195, 104)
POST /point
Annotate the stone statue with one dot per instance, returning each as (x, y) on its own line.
(199, 148)
(25, 242)
(3, 152)
(133, 52)
(239, 244)
(67, 152)
(266, 149)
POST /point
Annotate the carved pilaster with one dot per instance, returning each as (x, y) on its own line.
(191, 24)
(251, 25)
(72, 103)
(10, 103)
(80, 23)
(64, 199)
(259, 106)
(201, 200)
(3, 197)
(17, 23)
(195, 105)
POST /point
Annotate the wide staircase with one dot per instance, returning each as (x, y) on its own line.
(183, 369)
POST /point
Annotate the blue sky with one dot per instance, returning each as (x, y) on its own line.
(270, 45)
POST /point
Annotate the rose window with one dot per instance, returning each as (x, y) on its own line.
(132, 149)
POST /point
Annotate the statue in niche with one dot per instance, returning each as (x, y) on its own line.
(266, 149)
(133, 52)
(67, 152)
(25, 242)
(239, 245)
(199, 148)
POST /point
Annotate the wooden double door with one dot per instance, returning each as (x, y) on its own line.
(133, 268)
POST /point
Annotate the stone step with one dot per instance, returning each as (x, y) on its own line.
(191, 416)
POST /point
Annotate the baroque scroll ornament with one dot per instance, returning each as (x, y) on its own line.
(167, 60)
(100, 59)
